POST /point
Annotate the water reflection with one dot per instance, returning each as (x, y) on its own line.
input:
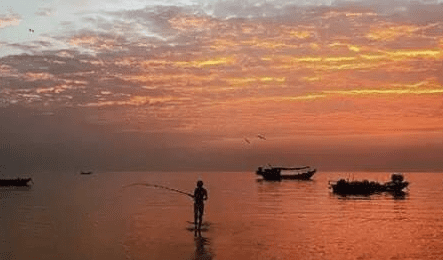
(401, 195)
(15, 208)
(289, 180)
(201, 252)
(9, 189)
(84, 219)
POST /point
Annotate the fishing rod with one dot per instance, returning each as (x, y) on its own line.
(159, 186)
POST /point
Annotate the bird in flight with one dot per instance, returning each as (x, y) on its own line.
(261, 137)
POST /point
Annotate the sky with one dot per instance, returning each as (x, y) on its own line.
(211, 85)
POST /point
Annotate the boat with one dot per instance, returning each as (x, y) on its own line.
(365, 187)
(85, 173)
(15, 182)
(286, 173)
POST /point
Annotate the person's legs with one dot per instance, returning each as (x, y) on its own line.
(200, 215)
(195, 214)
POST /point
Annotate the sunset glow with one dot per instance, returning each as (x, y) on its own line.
(204, 78)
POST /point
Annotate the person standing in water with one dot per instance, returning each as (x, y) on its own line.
(200, 195)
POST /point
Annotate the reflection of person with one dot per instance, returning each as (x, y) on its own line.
(201, 253)
(200, 195)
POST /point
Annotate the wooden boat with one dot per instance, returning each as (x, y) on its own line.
(365, 187)
(15, 182)
(85, 173)
(286, 173)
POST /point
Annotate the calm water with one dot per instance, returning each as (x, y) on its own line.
(93, 217)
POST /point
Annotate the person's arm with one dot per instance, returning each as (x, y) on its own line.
(205, 197)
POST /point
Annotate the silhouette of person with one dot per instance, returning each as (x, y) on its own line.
(200, 195)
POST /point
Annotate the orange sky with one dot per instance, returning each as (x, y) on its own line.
(352, 87)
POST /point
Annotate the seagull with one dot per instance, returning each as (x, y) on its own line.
(261, 137)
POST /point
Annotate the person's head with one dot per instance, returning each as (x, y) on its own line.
(199, 183)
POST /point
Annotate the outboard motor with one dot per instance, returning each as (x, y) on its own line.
(397, 177)
(259, 171)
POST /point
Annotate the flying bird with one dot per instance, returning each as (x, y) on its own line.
(261, 137)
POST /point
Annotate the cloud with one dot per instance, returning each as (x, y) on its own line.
(153, 20)
(45, 11)
(190, 69)
(96, 42)
(9, 20)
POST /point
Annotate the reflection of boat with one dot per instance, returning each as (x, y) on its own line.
(15, 182)
(365, 187)
(286, 173)
(85, 173)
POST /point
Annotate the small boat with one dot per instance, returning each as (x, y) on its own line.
(15, 182)
(85, 173)
(286, 173)
(365, 187)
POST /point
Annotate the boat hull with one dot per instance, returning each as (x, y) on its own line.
(301, 176)
(275, 175)
(15, 182)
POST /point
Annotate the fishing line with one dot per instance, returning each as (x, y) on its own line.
(158, 186)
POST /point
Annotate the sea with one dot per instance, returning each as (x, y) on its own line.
(98, 216)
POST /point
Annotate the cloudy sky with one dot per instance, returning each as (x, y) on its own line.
(220, 85)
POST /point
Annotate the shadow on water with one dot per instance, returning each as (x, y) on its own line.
(8, 191)
(400, 195)
(201, 244)
(289, 180)
(15, 188)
